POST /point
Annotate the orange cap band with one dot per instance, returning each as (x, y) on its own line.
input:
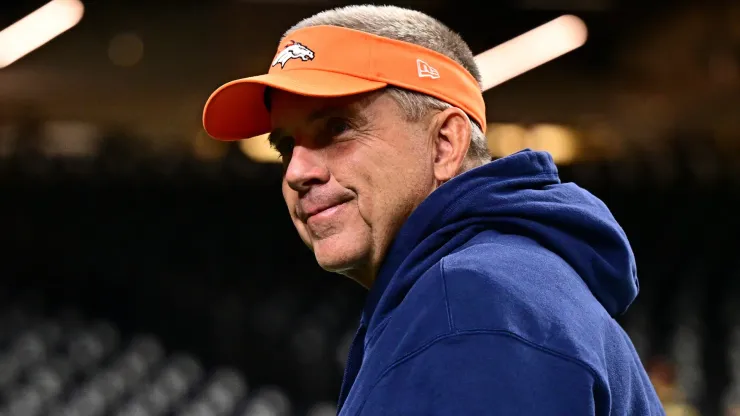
(331, 61)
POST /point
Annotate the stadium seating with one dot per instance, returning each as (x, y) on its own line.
(59, 367)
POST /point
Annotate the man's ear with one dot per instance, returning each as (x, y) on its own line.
(451, 131)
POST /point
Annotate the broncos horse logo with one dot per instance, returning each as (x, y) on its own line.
(295, 50)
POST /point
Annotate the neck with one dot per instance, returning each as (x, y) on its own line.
(364, 276)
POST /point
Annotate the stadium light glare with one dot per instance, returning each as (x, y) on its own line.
(530, 50)
(259, 149)
(38, 28)
(560, 141)
(506, 138)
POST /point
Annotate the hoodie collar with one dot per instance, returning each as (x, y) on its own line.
(520, 193)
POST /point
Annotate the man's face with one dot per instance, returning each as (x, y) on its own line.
(354, 170)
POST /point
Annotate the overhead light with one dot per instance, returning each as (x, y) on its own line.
(530, 50)
(38, 28)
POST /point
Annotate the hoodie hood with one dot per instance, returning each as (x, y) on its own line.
(520, 194)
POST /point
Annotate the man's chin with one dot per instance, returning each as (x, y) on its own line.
(335, 262)
(335, 256)
(350, 260)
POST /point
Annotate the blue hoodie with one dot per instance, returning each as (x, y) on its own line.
(497, 297)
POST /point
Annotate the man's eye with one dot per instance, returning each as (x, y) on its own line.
(337, 126)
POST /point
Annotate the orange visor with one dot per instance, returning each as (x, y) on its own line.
(330, 61)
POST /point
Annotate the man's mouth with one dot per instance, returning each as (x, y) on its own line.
(324, 213)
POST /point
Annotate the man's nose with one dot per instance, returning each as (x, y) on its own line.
(305, 169)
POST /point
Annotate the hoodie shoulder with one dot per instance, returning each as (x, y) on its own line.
(512, 284)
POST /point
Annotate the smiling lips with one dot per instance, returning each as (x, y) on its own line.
(325, 213)
(307, 211)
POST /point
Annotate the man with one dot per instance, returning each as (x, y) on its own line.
(492, 285)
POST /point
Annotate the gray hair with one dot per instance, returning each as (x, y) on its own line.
(413, 27)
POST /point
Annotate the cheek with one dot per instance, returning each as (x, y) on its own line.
(290, 198)
(390, 182)
(403, 167)
(407, 179)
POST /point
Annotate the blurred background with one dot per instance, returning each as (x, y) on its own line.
(148, 270)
